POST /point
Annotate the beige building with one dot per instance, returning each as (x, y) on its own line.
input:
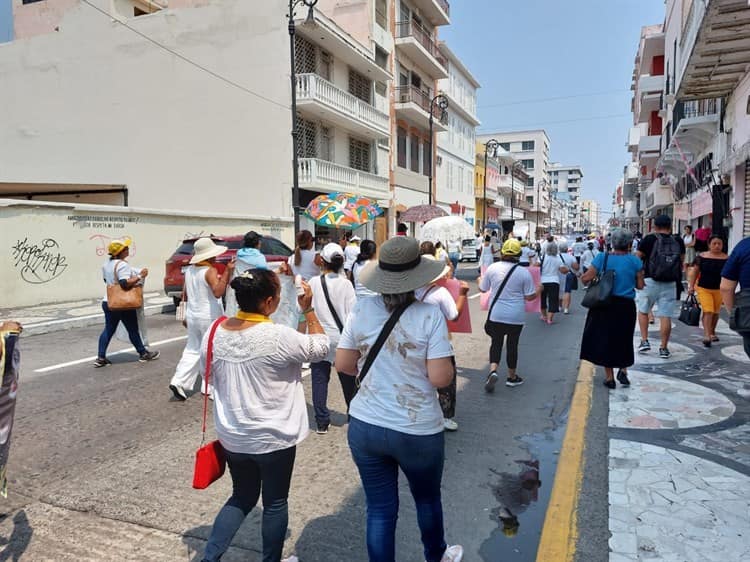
(591, 215)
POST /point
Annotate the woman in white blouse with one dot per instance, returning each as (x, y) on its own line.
(259, 407)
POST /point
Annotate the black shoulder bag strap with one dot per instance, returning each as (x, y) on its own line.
(500, 290)
(336, 318)
(375, 349)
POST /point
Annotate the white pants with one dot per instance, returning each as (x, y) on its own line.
(188, 369)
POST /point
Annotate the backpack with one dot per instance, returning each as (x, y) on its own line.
(664, 263)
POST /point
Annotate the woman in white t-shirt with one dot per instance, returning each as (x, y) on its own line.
(304, 261)
(552, 266)
(395, 418)
(332, 314)
(367, 251)
(441, 297)
(259, 406)
(507, 314)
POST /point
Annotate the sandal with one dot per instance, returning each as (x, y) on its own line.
(706, 343)
(714, 338)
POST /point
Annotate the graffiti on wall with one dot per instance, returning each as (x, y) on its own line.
(38, 263)
(102, 242)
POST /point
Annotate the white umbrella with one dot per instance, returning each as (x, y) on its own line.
(447, 228)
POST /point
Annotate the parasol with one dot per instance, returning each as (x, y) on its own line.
(447, 228)
(342, 210)
(422, 213)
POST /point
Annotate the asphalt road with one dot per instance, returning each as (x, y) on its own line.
(101, 459)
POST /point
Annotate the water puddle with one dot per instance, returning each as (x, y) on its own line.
(522, 498)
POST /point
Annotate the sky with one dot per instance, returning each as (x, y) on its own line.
(6, 28)
(524, 50)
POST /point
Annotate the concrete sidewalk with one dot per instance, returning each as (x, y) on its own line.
(45, 318)
(679, 452)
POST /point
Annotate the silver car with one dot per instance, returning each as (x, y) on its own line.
(469, 250)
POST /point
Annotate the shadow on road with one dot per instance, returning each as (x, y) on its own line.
(20, 537)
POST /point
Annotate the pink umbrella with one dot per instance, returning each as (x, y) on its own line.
(422, 213)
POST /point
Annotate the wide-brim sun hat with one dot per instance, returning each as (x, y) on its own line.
(205, 249)
(400, 268)
(446, 269)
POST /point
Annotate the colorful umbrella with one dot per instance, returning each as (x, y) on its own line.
(422, 213)
(342, 210)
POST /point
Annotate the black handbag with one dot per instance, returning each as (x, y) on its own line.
(599, 293)
(690, 311)
(739, 319)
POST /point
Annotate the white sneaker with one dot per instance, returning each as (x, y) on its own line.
(565, 311)
(449, 424)
(453, 553)
(291, 559)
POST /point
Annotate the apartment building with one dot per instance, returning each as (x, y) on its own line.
(455, 163)
(531, 150)
(418, 66)
(565, 184)
(591, 215)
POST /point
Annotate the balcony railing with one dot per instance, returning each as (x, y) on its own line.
(695, 108)
(413, 29)
(406, 94)
(314, 87)
(445, 6)
(316, 172)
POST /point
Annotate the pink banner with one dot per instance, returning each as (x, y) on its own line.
(462, 325)
(702, 205)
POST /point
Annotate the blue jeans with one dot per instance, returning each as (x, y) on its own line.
(270, 473)
(455, 258)
(320, 373)
(111, 319)
(379, 453)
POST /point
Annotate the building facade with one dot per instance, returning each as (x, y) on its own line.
(455, 163)
(591, 215)
(566, 185)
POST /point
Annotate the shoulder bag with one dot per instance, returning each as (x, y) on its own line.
(599, 293)
(690, 311)
(497, 296)
(339, 324)
(210, 459)
(375, 349)
(123, 299)
(180, 312)
(739, 318)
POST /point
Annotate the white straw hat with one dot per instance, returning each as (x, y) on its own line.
(400, 268)
(205, 249)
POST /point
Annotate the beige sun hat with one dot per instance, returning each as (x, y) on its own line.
(446, 269)
(400, 268)
(205, 249)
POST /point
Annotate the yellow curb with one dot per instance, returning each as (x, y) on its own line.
(560, 531)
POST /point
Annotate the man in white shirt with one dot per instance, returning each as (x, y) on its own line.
(350, 254)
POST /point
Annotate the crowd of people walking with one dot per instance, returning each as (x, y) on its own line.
(382, 318)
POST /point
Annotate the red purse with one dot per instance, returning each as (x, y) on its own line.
(210, 460)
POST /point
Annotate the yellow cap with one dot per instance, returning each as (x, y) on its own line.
(116, 247)
(511, 247)
(524, 243)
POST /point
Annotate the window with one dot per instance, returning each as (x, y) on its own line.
(359, 155)
(381, 57)
(273, 247)
(528, 164)
(381, 13)
(414, 154)
(529, 182)
(527, 145)
(505, 146)
(307, 135)
(530, 200)
(360, 86)
(308, 59)
(31, 2)
(401, 147)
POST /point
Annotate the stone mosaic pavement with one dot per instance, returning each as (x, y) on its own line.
(679, 453)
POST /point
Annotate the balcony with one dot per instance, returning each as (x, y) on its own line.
(648, 103)
(648, 84)
(321, 99)
(634, 136)
(658, 196)
(649, 146)
(414, 105)
(695, 125)
(491, 192)
(436, 11)
(320, 175)
(715, 49)
(417, 44)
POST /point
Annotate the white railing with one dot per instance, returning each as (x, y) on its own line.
(322, 173)
(314, 87)
(648, 84)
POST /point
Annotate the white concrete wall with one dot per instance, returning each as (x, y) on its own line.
(94, 103)
(53, 252)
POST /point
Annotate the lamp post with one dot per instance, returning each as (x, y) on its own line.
(442, 102)
(490, 145)
(309, 4)
(539, 185)
(513, 167)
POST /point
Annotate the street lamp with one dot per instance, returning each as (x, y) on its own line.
(442, 102)
(539, 185)
(513, 167)
(490, 145)
(309, 4)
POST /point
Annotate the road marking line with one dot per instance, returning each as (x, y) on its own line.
(475, 296)
(88, 359)
(84, 317)
(560, 530)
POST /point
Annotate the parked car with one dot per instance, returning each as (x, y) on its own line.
(174, 278)
(469, 249)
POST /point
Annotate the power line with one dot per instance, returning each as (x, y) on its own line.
(543, 124)
(541, 100)
(184, 58)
